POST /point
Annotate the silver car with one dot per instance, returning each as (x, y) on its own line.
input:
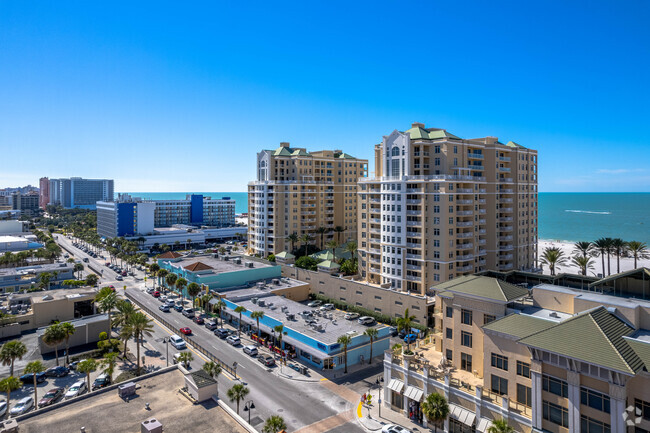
(24, 405)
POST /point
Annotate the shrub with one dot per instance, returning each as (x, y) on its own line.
(306, 262)
(271, 258)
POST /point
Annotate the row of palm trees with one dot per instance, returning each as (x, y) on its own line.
(306, 238)
(584, 251)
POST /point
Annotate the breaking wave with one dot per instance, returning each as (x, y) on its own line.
(588, 211)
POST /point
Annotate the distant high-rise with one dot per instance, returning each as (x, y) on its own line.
(44, 192)
(440, 207)
(80, 193)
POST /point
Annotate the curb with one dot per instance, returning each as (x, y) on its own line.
(286, 376)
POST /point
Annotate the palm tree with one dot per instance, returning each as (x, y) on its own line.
(161, 274)
(638, 249)
(404, 324)
(192, 290)
(274, 424)
(583, 248)
(583, 262)
(108, 364)
(344, 340)
(11, 351)
(339, 230)
(170, 280)
(240, 309)
(618, 248)
(9, 384)
(332, 244)
(553, 256)
(237, 393)
(87, 366)
(218, 306)
(53, 336)
(351, 247)
(321, 232)
(257, 315)
(610, 243)
(500, 426)
(601, 246)
(213, 369)
(68, 331)
(293, 238)
(306, 239)
(106, 305)
(34, 367)
(435, 408)
(371, 333)
(205, 302)
(279, 330)
(185, 358)
(139, 325)
(153, 269)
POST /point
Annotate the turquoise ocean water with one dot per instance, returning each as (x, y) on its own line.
(562, 216)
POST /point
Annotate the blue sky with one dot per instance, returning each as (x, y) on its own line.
(169, 96)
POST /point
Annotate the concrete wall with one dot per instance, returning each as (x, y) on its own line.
(85, 333)
(296, 293)
(372, 298)
(557, 301)
(45, 312)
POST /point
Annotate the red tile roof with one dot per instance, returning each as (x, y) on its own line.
(169, 255)
(198, 266)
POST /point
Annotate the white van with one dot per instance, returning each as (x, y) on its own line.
(177, 342)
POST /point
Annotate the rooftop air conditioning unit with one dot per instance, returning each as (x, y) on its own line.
(238, 261)
(276, 281)
(251, 265)
(226, 258)
(261, 303)
(254, 300)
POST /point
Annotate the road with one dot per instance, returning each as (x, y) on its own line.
(299, 403)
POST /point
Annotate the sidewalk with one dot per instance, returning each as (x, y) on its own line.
(371, 420)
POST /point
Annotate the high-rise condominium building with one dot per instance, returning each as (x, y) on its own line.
(44, 192)
(298, 192)
(441, 206)
(80, 193)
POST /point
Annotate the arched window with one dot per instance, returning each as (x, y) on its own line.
(395, 151)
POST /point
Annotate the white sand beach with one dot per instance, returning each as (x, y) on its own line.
(627, 263)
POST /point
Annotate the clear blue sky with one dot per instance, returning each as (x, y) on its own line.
(179, 96)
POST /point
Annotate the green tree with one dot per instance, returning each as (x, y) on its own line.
(92, 280)
(618, 248)
(9, 384)
(639, 250)
(34, 367)
(371, 333)
(405, 323)
(239, 310)
(218, 307)
(87, 366)
(192, 291)
(293, 238)
(161, 274)
(306, 262)
(108, 364)
(332, 244)
(321, 231)
(583, 262)
(280, 332)
(68, 331)
(602, 245)
(213, 369)
(500, 426)
(257, 315)
(139, 326)
(11, 351)
(53, 336)
(339, 230)
(170, 279)
(553, 257)
(106, 305)
(185, 358)
(205, 302)
(344, 341)
(78, 267)
(237, 393)
(583, 248)
(44, 280)
(274, 424)
(436, 409)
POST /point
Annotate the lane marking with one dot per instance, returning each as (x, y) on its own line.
(324, 379)
(359, 414)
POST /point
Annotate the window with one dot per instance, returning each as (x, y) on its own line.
(500, 361)
(449, 354)
(450, 333)
(450, 312)
(644, 407)
(465, 339)
(487, 318)
(466, 317)
(555, 386)
(524, 395)
(523, 369)
(555, 414)
(499, 385)
(590, 425)
(594, 399)
(465, 362)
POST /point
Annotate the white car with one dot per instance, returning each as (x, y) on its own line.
(164, 308)
(76, 389)
(366, 320)
(177, 342)
(394, 428)
(163, 298)
(233, 340)
(351, 316)
(314, 304)
(327, 307)
(3, 408)
(23, 405)
(250, 350)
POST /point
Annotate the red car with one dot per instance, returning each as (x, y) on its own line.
(124, 274)
(186, 331)
(199, 320)
(156, 294)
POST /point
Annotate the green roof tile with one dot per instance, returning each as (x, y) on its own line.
(642, 350)
(483, 287)
(519, 325)
(329, 264)
(429, 134)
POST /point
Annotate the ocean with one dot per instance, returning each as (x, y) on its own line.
(562, 216)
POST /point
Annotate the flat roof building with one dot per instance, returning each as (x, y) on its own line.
(76, 192)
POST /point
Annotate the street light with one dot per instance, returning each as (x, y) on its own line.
(248, 407)
(166, 342)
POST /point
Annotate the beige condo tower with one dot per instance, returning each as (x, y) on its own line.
(440, 207)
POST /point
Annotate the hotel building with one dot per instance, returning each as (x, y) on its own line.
(571, 356)
(297, 192)
(440, 207)
(80, 193)
(43, 192)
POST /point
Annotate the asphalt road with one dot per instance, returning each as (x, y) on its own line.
(299, 403)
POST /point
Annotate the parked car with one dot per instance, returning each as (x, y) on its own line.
(73, 365)
(327, 307)
(3, 408)
(178, 307)
(394, 428)
(233, 340)
(185, 330)
(188, 312)
(351, 316)
(76, 389)
(211, 325)
(266, 360)
(402, 333)
(28, 379)
(58, 371)
(250, 350)
(410, 338)
(393, 331)
(171, 302)
(221, 333)
(366, 320)
(164, 308)
(163, 298)
(315, 304)
(101, 381)
(150, 290)
(124, 274)
(119, 278)
(51, 397)
(198, 320)
(177, 342)
(24, 405)
(156, 294)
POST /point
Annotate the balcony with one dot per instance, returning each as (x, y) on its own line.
(505, 209)
(505, 267)
(476, 167)
(414, 267)
(464, 258)
(413, 201)
(413, 223)
(482, 241)
(377, 231)
(472, 155)
(482, 251)
(465, 213)
(375, 220)
(467, 268)
(413, 256)
(308, 212)
(481, 201)
(482, 231)
(481, 262)
(504, 219)
(505, 200)
(482, 191)
(506, 247)
(465, 191)
(413, 278)
(463, 202)
(413, 245)
(482, 211)
(505, 179)
(413, 212)
(504, 158)
(464, 223)
(481, 221)
(465, 246)
(375, 200)
(464, 235)
(505, 228)
(505, 238)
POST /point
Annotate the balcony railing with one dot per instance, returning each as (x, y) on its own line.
(465, 190)
(464, 258)
(472, 155)
(464, 235)
(505, 179)
(464, 246)
(464, 201)
(464, 223)
(465, 268)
